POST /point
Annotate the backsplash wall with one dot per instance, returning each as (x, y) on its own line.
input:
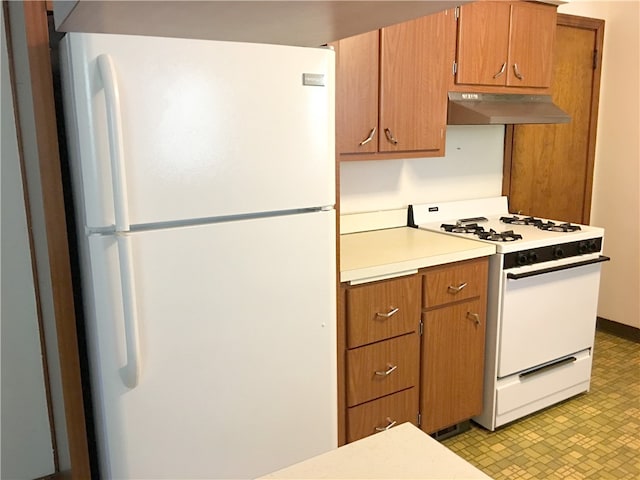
(471, 168)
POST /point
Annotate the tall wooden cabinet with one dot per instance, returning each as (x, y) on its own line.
(411, 349)
(391, 89)
(505, 44)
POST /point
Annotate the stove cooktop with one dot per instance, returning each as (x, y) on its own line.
(488, 220)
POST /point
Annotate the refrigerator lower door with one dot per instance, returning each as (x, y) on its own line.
(237, 348)
(242, 127)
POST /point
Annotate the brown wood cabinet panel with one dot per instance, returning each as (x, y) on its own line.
(413, 87)
(508, 44)
(357, 93)
(483, 43)
(364, 384)
(400, 407)
(452, 283)
(367, 306)
(401, 73)
(452, 364)
(531, 45)
(549, 168)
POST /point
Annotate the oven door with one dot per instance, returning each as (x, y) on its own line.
(548, 311)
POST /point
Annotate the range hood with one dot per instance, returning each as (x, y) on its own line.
(502, 109)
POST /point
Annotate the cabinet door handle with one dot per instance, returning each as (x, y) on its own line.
(517, 72)
(454, 290)
(504, 65)
(390, 423)
(474, 316)
(390, 313)
(390, 136)
(370, 137)
(386, 372)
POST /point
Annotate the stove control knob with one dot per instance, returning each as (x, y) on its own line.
(583, 247)
(532, 257)
(593, 246)
(522, 259)
(558, 252)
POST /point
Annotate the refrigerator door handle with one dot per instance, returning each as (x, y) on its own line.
(116, 149)
(130, 373)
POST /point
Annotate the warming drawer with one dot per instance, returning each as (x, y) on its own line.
(527, 392)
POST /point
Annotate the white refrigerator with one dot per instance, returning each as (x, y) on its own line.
(204, 190)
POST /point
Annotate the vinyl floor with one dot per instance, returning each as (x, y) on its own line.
(595, 435)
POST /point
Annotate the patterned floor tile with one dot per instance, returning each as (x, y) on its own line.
(593, 436)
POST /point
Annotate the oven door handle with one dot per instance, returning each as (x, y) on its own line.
(518, 276)
(545, 368)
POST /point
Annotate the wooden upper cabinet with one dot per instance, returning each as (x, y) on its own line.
(357, 70)
(391, 92)
(483, 43)
(507, 44)
(533, 28)
(413, 93)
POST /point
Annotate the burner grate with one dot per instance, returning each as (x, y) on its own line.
(507, 236)
(558, 227)
(460, 228)
(541, 224)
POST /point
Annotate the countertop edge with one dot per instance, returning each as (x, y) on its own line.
(376, 272)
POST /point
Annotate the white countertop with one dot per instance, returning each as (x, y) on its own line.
(378, 254)
(402, 452)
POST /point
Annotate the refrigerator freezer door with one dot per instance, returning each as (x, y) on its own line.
(237, 325)
(201, 128)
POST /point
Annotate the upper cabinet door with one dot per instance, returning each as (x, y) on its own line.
(357, 93)
(532, 35)
(413, 83)
(483, 43)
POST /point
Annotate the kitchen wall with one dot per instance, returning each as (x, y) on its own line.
(616, 198)
(471, 168)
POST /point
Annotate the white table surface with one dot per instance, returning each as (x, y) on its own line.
(402, 452)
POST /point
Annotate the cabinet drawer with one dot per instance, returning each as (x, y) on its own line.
(382, 368)
(455, 282)
(382, 310)
(364, 419)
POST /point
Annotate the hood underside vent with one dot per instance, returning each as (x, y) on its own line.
(502, 109)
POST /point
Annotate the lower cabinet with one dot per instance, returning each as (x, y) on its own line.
(412, 350)
(452, 365)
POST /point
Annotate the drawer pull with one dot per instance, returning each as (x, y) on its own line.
(390, 424)
(390, 313)
(474, 316)
(386, 372)
(454, 290)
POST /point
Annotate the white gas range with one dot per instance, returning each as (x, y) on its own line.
(542, 302)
